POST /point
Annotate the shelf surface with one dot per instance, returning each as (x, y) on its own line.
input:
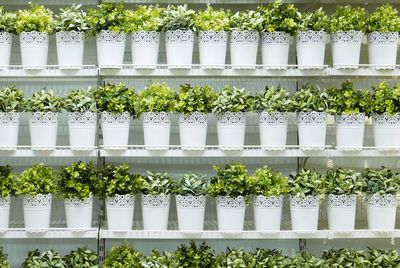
(59, 151)
(48, 71)
(48, 233)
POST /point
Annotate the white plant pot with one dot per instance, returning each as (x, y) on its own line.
(310, 48)
(179, 48)
(145, 46)
(273, 129)
(386, 130)
(110, 48)
(37, 211)
(155, 209)
(230, 213)
(82, 129)
(381, 212)
(43, 128)
(346, 48)
(191, 211)
(120, 210)
(5, 48)
(268, 212)
(156, 129)
(275, 48)
(212, 48)
(243, 47)
(5, 204)
(382, 48)
(9, 125)
(304, 213)
(193, 131)
(312, 129)
(79, 213)
(341, 212)
(70, 46)
(350, 131)
(231, 128)
(34, 48)
(115, 129)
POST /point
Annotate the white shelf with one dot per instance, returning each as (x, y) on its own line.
(12, 233)
(59, 151)
(49, 71)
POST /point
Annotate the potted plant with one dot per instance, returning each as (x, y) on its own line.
(305, 189)
(342, 188)
(80, 105)
(7, 189)
(279, 22)
(144, 24)
(230, 108)
(77, 184)
(123, 255)
(3, 259)
(268, 189)
(194, 103)
(48, 258)
(157, 259)
(156, 102)
(304, 259)
(344, 257)
(179, 38)
(383, 258)
(385, 109)
(311, 106)
(272, 105)
(350, 106)
(119, 188)
(381, 187)
(383, 27)
(213, 26)
(83, 258)
(270, 258)
(44, 107)
(11, 104)
(116, 104)
(235, 258)
(107, 23)
(231, 186)
(194, 255)
(244, 38)
(36, 185)
(190, 191)
(346, 25)
(156, 197)
(7, 29)
(34, 26)
(310, 40)
(70, 26)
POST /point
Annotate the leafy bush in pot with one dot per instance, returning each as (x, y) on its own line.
(383, 258)
(7, 21)
(268, 182)
(159, 260)
(314, 21)
(306, 183)
(118, 180)
(194, 256)
(309, 99)
(195, 99)
(347, 18)
(249, 20)
(272, 99)
(11, 99)
(212, 19)
(3, 259)
(381, 181)
(82, 258)
(48, 258)
(191, 184)
(143, 18)
(344, 257)
(80, 101)
(156, 183)
(235, 258)
(7, 182)
(305, 259)
(37, 18)
(269, 258)
(233, 99)
(384, 19)
(38, 179)
(107, 17)
(385, 99)
(123, 256)
(156, 97)
(178, 18)
(43, 101)
(71, 18)
(116, 99)
(344, 182)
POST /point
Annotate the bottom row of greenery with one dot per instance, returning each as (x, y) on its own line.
(203, 256)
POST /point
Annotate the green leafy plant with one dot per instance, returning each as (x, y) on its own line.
(11, 99)
(178, 18)
(305, 259)
(269, 258)
(123, 256)
(116, 99)
(268, 182)
(7, 20)
(3, 259)
(272, 99)
(347, 18)
(280, 17)
(80, 101)
(7, 182)
(306, 182)
(309, 99)
(235, 258)
(212, 19)
(381, 181)
(159, 260)
(191, 184)
(78, 181)
(48, 258)
(195, 99)
(71, 18)
(156, 183)
(233, 181)
(156, 97)
(314, 21)
(385, 99)
(38, 179)
(384, 19)
(107, 17)
(118, 180)
(233, 99)
(82, 258)
(249, 20)
(37, 18)
(194, 256)
(43, 101)
(345, 257)
(344, 181)
(143, 18)
(383, 258)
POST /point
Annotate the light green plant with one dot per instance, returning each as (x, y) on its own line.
(383, 258)
(37, 18)
(194, 256)
(43, 101)
(345, 257)
(306, 183)
(7, 20)
(116, 99)
(268, 182)
(249, 20)
(143, 18)
(233, 99)
(272, 99)
(159, 260)
(305, 259)
(82, 258)
(107, 17)
(156, 183)
(192, 99)
(11, 99)
(314, 21)
(309, 99)
(269, 258)
(71, 18)
(123, 256)
(38, 179)
(80, 101)
(48, 258)
(191, 184)
(178, 18)
(7, 182)
(344, 181)
(3, 259)
(381, 181)
(385, 99)
(346, 18)
(156, 97)
(212, 19)
(118, 180)
(384, 19)
(235, 258)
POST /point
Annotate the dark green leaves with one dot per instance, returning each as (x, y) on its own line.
(7, 182)
(280, 17)
(118, 180)
(381, 181)
(82, 258)
(123, 256)
(344, 181)
(195, 99)
(268, 182)
(116, 99)
(49, 259)
(3, 259)
(107, 16)
(306, 182)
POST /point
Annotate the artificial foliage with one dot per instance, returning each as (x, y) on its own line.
(144, 18)
(269, 258)
(381, 181)
(314, 21)
(156, 97)
(383, 258)
(344, 182)
(71, 18)
(38, 179)
(235, 258)
(304, 259)
(306, 182)
(123, 256)
(7, 20)
(268, 182)
(272, 99)
(178, 18)
(50, 258)
(82, 258)
(7, 182)
(11, 99)
(308, 99)
(249, 20)
(3, 259)
(191, 184)
(36, 18)
(192, 99)
(118, 180)
(156, 183)
(385, 99)
(107, 17)
(80, 101)
(43, 101)
(385, 18)
(344, 257)
(116, 99)
(212, 19)
(233, 99)
(159, 259)
(194, 256)
(347, 18)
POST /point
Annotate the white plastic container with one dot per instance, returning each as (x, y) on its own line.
(386, 130)
(179, 48)
(268, 213)
(273, 129)
(304, 213)
(310, 48)
(191, 211)
(231, 129)
(243, 47)
(120, 210)
(193, 131)
(275, 49)
(79, 213)
(145, 46)
(312, 129)
(110, 48)
(43, 128)
(212, 48)
(5, 48)
(341, 212)
(382, 49)
(9, 126)
(115, 129)
(82, 130)
(381, 212)
(70, 47)
(346, 48)
(156, 129)
(155, 210)
(37, 211)
(230, 213)
(5, 204)
(34, 48)
(350, 131)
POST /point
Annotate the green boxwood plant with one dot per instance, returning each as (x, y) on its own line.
(309, 99)
(80, 101)
(71, 18)
(178, 18)
(11, 99)
(385, 99)
(36, 18)
(118, 180)
(107, 17)
(233, 99)
(43, 101)
(191, 184)
(143, 18)
(272, 99)
(314, 21)
(7, 182)
(156, 97)
(212, 19)
(306, 183)
(249, 20)
(192, 99)
(347, 18)
(38, 179)
(156, 183)
(194, 256)
(268, 182)
(7, 21)
(82, 258)
(344, 182)
(122, 256)
(381, 181)
(384, 19)
(48, 258)
(116, 99)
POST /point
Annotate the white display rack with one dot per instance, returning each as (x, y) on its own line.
(59, 151)
(13, 233)
(48, 71)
